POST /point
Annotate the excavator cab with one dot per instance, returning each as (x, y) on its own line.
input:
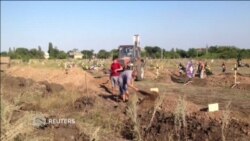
(131, 54)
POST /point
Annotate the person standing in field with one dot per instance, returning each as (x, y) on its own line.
(182, 69)
(115, 72)
(126, 80)
(202, 70)
(223, 67)
(190, 70)
(199, 68)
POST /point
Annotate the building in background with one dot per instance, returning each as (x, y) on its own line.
(46, 55)
(75, 54)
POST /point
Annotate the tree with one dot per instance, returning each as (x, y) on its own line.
(192, 52)
(153, 52)
(87, 54)
(21, 53)
(61, 55)
(4, 53)
(181, 53)
(114, 53)
(36, 54)
(50, 50)
(53, 52)
(103, 54)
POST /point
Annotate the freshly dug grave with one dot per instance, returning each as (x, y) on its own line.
(221, 80)
(193, 124)
(166, 126)
(227, 80)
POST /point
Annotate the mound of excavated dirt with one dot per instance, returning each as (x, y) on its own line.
(164, 76)
(166, 127)
(170, 103)
(26, 84)
(84, 103)
(149, 75)
(221, 80)
(227, 79)
(74, 80)
(194, 125)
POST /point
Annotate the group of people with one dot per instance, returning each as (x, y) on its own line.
(123, 78)
(202, 69)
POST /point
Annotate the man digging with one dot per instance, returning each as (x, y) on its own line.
(126, 80)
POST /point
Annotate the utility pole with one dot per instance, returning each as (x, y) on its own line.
(161, 53)
(196, 53)
(136, 43)
(206, 49)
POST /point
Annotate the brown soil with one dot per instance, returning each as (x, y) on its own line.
(84, 103)
(16, 114)
(221, 80)
(29, 107)
(74, 80)
(199, 125)
(164, 128)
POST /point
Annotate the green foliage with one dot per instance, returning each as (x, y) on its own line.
(103, 54)
(4, 53)
(61, 55)
(153, 52)
(220, 52)
(213, 52)
(36, 54)
(87, 54)
(182, 53)
(114, 53)
(25, 54)
(191, 53)
(55, 53)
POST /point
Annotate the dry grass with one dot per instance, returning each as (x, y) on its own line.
(132, 113)
(225, 120)
(180, 117)
(157, 105)
(94, 136)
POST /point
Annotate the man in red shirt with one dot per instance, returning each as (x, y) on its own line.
(115, 72)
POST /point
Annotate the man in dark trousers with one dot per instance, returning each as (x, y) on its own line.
(126, 80)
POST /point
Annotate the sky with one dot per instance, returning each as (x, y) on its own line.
(105, 25)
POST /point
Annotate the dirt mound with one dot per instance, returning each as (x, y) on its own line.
(170, 104)
(149, 75)
(165, 127)
(66, 133)
(84, 103)
(76, 79)
(26, 84)
(221, 80)
(227, 80)
(195, 124)
(164, 76)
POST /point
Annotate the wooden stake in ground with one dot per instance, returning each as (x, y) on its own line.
(86, 83)
(157, 70)
(235, 76)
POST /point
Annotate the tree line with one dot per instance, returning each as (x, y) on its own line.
(154, 52)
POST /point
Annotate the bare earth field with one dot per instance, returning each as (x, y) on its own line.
(31, 92)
